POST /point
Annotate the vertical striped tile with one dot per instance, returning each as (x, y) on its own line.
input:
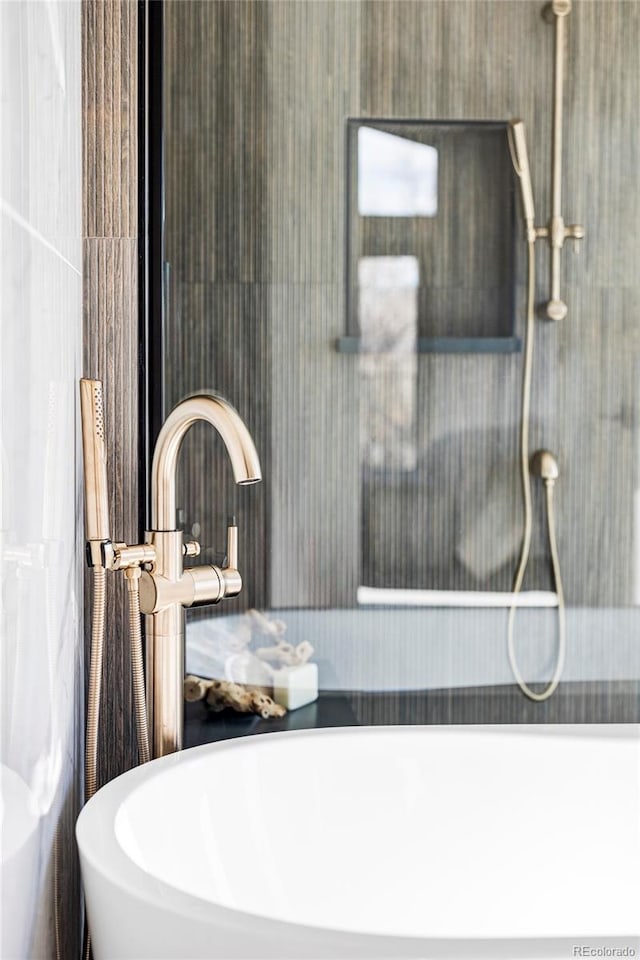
(111, 321)
(258, 97)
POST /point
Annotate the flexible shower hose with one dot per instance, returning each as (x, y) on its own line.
(525, 472)
(95, 672)
(137, 670)
(93, 699)
(95, 680)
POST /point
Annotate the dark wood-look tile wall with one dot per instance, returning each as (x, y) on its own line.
(110, 59)
(258, 99)
(258, 95)
(613, 701)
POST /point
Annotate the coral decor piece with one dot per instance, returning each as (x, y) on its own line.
(282, 653)
(286, 653)
(262, 624)
(219, 694)
(244, 677)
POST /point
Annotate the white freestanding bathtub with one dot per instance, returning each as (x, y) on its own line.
(505, 841)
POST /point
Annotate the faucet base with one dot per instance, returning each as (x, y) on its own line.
(165, 677)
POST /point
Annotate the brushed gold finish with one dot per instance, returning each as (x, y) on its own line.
(556, 231)
(191, 548)
(104, 555)
(96, 493)
(520, 159)
(166, 588)
(163, 588)
(101, 552)
(545, 466)
(127, 558)
(222, 416)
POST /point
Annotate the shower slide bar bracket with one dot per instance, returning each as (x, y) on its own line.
(556, 231)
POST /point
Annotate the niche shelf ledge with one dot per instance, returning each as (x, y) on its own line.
(353, 344)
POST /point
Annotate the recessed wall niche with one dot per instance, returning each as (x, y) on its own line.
(431, 237)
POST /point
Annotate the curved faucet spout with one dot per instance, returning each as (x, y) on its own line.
(221, 415)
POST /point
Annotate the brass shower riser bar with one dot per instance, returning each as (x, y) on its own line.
(557, 231)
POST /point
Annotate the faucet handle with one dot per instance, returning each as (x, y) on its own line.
(191, 548)
(232, 544)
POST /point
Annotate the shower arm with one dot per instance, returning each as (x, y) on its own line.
(557, 231)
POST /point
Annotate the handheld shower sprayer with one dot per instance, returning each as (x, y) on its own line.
(96, 518)
(103, 555)
(520, 159)
(96, 499)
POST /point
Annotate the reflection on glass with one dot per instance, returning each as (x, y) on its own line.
(396, 177)
(388, 310)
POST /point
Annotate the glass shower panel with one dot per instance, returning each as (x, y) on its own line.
(318, 296)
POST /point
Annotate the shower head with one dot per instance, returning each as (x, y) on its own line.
(96, 499)
(520, 159)
(544, 465)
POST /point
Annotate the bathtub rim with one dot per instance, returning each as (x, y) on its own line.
(103, 854)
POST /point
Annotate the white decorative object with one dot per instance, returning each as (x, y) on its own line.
(246, 668)
(264, 625)
(238, 677)
(286, 653)
(296, 686)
